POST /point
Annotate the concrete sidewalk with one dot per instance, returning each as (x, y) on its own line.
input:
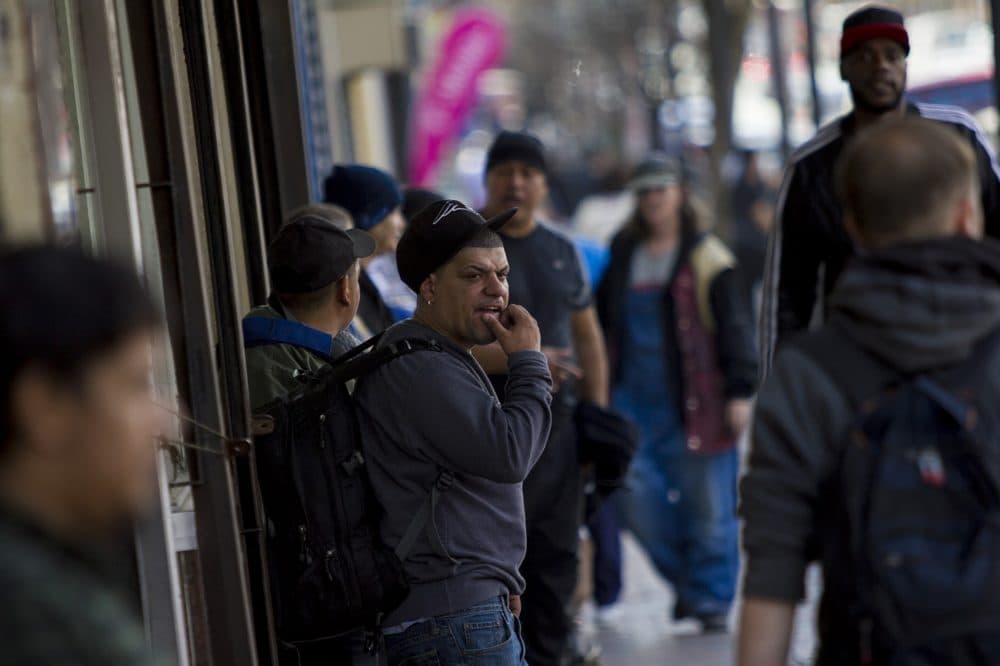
(644, 634)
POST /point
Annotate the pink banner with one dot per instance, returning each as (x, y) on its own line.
(474, 43)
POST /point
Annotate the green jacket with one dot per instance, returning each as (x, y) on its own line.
(272, 369)
(57, 607)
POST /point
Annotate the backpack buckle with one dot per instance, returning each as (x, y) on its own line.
(354, 463)
(445, 481)
(373, 636)
(401, 347)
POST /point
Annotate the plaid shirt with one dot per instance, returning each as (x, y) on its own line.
(56, 610)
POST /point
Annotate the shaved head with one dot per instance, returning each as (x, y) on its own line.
(907, 179)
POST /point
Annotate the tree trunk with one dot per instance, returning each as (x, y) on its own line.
(726, 23)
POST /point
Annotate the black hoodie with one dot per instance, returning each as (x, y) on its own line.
(919, 306)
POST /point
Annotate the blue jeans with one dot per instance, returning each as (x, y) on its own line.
(486, 634)
(682, 509)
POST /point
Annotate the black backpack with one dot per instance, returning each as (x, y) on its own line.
(919, 493)
(329, 573)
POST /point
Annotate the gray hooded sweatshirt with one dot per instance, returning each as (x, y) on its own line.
(430, 411)
(921, 307)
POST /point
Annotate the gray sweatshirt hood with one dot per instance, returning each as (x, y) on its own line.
(921, 306)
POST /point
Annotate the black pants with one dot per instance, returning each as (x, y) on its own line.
(605, 535)
(552, 504)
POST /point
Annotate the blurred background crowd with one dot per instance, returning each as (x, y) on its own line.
(419, 89)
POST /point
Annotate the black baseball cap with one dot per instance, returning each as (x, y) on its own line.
(310, 253)
(438, 233)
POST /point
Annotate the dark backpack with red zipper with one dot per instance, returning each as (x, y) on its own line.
(918, 488)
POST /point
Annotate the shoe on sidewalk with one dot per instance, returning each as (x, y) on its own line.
(610, 615)
(716, 623)
(712, 621)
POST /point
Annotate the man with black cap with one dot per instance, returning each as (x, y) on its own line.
(809, 245)
(314, 267)
(431, 419)
(548, 278)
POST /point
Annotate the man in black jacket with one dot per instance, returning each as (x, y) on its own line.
(920, 296)
(809, 244)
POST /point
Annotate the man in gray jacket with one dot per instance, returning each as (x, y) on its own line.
(431, 419)
(919, 297)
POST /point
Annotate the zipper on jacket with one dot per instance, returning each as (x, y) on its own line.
(331, 556)
(322, 431)
(351, 585)
(303, 542)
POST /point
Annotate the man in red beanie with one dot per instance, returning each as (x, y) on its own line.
(809, 245)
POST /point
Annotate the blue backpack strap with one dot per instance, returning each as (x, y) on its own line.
(260, 331)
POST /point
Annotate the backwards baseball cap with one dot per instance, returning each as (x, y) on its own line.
(654, 173)
(873, 22)
(310, 252)
(438, 233)
(516, 146)
(368, 194)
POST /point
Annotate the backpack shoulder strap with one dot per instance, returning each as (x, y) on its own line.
(423, 522)
(856, 372)
(954, 387)
(356, 364)
(985, 351)
(261, 331)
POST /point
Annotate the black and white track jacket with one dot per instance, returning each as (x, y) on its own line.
(809, 245)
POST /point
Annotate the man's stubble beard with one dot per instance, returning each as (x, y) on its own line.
(862, 104)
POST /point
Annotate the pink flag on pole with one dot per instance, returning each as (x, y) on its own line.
(474, 43)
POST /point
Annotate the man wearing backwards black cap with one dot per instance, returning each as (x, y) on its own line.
(809, 242)
(433, 418)
(314, 268)
(547, 277)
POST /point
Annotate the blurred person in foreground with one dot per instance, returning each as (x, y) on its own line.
(914, 306)
(77, 452)
(809, 243)
(431, 419)
(684, 369)
(314, 264)
(374, 201)
(547, 277)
